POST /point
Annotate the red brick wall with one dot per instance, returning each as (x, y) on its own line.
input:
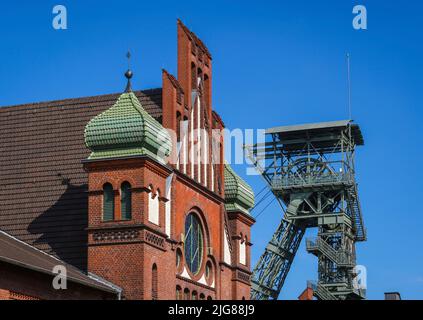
(191, 52)
(225, 283)
(119, 250)
(240, 226)
(140, 173)
(124, 252)
(166, 281)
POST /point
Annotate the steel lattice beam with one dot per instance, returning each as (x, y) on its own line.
(273, 267)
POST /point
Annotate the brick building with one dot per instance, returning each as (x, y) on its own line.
(128, 191)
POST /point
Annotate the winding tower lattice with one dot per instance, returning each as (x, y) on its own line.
(310, 170)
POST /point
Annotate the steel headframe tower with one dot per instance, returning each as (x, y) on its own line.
(310, 170)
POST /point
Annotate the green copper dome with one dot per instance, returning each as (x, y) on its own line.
(126, 129)
(238, 194)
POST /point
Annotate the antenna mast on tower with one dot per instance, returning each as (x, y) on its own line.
(349, 85)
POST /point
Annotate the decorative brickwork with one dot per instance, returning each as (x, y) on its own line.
(20, 296)
(126, 206)
(110, 236)
(243, 276)
(145, 255)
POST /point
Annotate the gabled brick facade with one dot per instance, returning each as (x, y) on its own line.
(130, 253)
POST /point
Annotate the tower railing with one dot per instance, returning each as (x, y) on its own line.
(340, 257)
(320, 291)
(292, 180)
(355, 208)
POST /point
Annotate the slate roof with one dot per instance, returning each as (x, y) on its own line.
(19, 253)
(43, 199)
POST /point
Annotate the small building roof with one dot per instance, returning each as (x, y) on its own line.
(303, 131)
(19, 253)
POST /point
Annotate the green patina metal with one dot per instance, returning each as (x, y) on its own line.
(126, 129)
(238, 194)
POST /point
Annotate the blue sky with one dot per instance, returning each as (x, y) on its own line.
(274, 63)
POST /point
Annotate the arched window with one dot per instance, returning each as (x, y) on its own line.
(154, 207)
(154, 284)
(242, 250)
(125, 201)
(178, 293)
(202, 296)
(206, 89)
(186, 294)
(209, 272)
(108, 203)
(209, 298)
(193, 75)
(199, 75)
(178, 125)
(178, 259)
(194, 295)
(193, 243)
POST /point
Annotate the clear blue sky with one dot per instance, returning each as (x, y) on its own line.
(275, 63)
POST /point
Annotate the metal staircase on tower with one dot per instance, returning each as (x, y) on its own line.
(310, 170)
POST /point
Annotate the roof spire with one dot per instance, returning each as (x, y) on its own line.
(128, 73)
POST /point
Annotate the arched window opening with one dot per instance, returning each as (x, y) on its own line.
(242, 251)
(199, 75)
(193, 76)
(154, 284)
(178, 258)
(202, 296)
(125, 201)
(209, 298)
(186, 294)
(209, 272)
(153, 207)
(178, 293)
(194, 295)
(206, 89)
(108, 202)
(178, 125)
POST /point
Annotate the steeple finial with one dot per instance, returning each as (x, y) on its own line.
(128, 73)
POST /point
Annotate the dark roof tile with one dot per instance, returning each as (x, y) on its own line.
(43, 187)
